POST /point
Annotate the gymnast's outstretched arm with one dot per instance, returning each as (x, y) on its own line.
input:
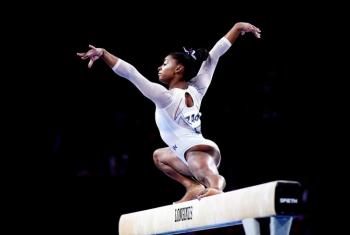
(154, 91)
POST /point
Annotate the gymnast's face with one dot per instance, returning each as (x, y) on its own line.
(167, 71)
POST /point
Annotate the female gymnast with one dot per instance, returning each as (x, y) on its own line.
(190, 159)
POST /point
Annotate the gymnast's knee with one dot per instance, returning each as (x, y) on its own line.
(159, 157)
(221, 182)
(156, 156)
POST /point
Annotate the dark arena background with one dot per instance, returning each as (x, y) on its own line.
(91, 133)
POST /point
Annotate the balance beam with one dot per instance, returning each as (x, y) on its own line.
(272, 199)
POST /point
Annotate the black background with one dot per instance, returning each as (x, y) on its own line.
(265, 108)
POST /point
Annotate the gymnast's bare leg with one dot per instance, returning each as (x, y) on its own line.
(202, 166)
(203, 162)
(172, 166)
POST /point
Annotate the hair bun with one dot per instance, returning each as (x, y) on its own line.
(201, 54)
(198, 55)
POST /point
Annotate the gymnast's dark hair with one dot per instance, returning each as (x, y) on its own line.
(191, 60)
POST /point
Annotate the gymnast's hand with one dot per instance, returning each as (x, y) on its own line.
(93, 54)
(249, 28)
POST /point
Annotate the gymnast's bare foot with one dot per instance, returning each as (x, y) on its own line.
(192, 193)
(209, 192)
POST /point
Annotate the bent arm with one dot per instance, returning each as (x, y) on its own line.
(205, 74)
(203, 79)
(241, 28)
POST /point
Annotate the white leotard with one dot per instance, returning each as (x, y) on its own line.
(179, 125)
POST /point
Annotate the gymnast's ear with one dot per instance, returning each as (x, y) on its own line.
(179, 68)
